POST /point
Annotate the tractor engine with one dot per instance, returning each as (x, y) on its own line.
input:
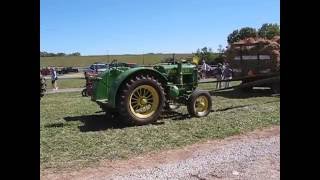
(182, 78)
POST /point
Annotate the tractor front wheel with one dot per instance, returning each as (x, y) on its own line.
(141, 100)
(199, 103)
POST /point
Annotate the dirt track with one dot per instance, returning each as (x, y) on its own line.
(255, 155)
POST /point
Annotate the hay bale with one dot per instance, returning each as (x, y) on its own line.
(276, 39)
(250, 41)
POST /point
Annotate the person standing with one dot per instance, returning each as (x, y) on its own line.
(218, 75)
(54, 78)
(226, 74)
(204, 69)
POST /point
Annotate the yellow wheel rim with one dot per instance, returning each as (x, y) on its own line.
(201, 105)
(144, 101)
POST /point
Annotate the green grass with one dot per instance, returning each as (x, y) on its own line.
(74, 134)
(67, 83)
(88, 60)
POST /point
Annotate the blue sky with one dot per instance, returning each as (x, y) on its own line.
(99, 27)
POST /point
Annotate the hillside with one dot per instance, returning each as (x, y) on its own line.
(87, 60)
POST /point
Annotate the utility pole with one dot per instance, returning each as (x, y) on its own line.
(174, 61)
(108, 56)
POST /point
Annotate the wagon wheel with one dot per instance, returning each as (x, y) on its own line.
(84, 93)
(142, 100)
(199, 103)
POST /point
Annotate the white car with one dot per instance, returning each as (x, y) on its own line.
(97, 67)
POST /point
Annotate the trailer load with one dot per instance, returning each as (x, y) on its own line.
(254, 60)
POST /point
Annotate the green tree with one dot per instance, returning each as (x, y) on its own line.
(75, 54)
(247, 32)
(219, 58)
(206, 54)
(220, 49)
(233, 37)
(269, 30)
(60, 54)
(43, 54)
(243, 33)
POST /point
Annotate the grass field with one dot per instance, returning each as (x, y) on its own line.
(75, 134)
(81, 61)
(67, 83)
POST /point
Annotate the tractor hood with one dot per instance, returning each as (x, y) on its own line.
(172, 69)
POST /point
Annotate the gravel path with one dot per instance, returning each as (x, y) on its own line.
(255, 155)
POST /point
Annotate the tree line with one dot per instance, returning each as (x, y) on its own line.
(47, 54)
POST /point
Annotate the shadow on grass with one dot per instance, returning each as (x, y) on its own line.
(239, 94)
(241, 106)
(173, 115)
(102, 122)
(96, 122)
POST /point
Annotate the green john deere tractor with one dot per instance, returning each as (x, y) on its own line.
(138, 95)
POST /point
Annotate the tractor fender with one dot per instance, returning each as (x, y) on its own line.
(121, 79)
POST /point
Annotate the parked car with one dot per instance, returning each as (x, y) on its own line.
(45, 71)
(67, 70)
(97, 67)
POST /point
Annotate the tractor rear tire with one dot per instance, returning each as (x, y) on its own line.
(199, 103)
(141, 100)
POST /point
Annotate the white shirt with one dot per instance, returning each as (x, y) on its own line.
(205, 67)
(53, 75)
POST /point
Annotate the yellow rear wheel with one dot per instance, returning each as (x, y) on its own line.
(141, 100)
(144, 101)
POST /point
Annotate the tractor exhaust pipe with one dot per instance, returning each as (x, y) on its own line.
(180, 75)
